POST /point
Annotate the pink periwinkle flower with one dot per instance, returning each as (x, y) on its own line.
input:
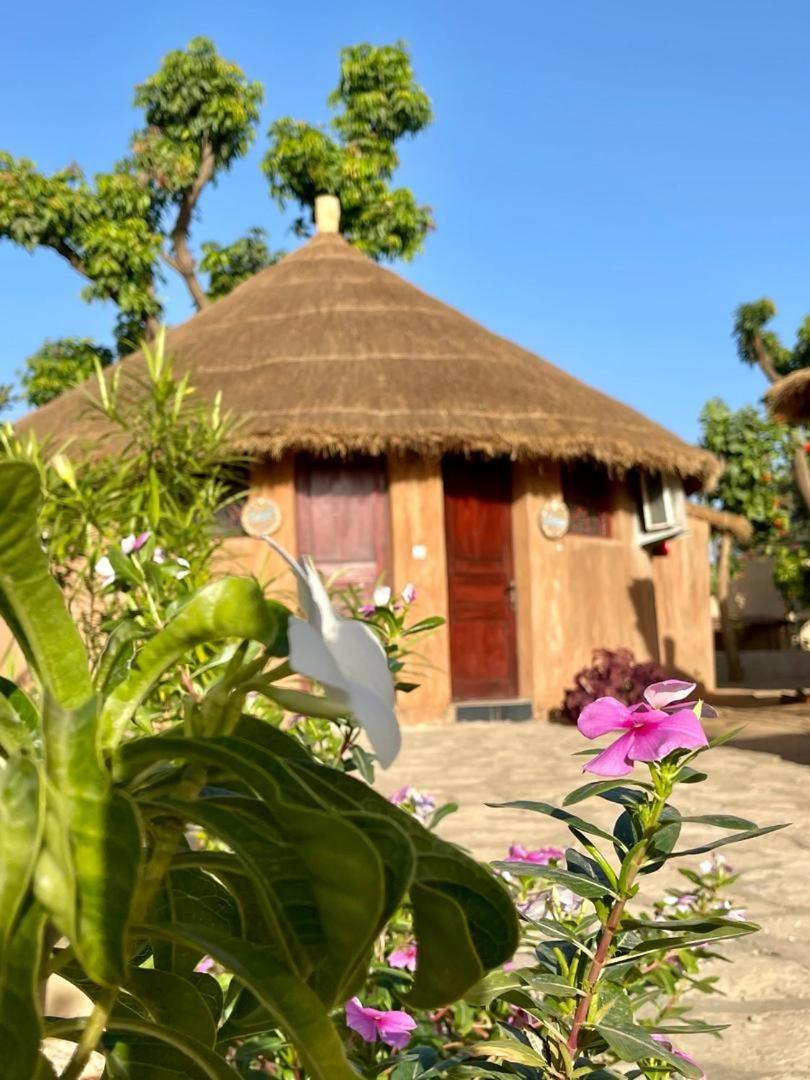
(404, 958)
(420, 804)
(408, 593)
(539, 856)
(651, 730)
(667, 1045)
(393, 1028)
(205, 965)
(134, 543)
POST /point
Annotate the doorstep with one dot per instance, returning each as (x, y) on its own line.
(512, 709)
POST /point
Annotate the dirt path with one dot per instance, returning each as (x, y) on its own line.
(768, 986)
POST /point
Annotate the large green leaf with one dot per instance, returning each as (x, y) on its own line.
(230, 608)
(486, 921)
(633, 1043)
(346, 873)
(20, 1023)
(190, 895)
(295, 1006)
(102, 837)
(30, 600)
(22, 819)
(140, 1064)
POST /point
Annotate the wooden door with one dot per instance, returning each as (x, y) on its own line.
(342, 518)
(478, 526)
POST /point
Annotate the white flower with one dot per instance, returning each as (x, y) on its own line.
(382, 595)
(345, 657)
(128, 544)
(159, 556)
(104, 569)
(186, 568)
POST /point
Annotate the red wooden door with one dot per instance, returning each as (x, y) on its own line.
(342, 518)
(478, 525)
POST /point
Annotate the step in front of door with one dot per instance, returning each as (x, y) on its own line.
(514, 710)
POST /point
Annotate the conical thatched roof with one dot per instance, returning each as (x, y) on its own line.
(328, 352)
(789, 398)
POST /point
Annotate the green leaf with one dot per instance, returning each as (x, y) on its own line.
(20, 1023)
(297, 1009)
(633, 1043)
(100, 837)
(483, 904)
(444, 936)
(22, 820)
(598, 787)
(736, 838)
(30, 600)
(571, 820)
(230, 608)
(721, 821)
(205, 1062)
(516, 1053)
(173, 1002)
(192, 896)
(492, 986)
(346, 873)
(577, 883)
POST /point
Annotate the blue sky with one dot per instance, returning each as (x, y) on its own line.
(609, 179)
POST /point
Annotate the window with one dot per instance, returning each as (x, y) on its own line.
(587, 491)
(663, 510)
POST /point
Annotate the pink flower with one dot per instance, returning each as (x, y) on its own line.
(205, 965)
(540, 856)
(134, 543)
(650, 733)
(404, 958)
(667, 1045)
(393, 1028)
(667, 696)
(408, 594)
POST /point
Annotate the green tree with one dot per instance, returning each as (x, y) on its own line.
(58, 365)
(119, 229)
(380, 103)
(5, 397)
(229, 265)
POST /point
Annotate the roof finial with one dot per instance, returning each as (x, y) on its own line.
(327, 214)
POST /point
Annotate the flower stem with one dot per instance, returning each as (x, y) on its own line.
(606, 940)
(92, 1032)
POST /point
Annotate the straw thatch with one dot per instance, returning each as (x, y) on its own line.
(789, 398)
(734, 524)
(328, 352)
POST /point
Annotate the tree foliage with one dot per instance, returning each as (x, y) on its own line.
(229, 265)
(59, 365)
(380, 103)
(121, 230)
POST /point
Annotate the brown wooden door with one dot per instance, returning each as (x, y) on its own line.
(342, 518)
(478, 525)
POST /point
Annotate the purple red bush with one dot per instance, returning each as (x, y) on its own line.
(613, 673)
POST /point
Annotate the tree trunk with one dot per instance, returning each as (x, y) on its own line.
(727, 629)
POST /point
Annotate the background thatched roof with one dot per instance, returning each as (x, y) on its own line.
(327, 351)
(789, 398)
(734, 524)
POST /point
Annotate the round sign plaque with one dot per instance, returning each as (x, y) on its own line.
(260, 516)
(554, 519)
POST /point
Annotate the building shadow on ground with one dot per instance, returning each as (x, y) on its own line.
(790, 746)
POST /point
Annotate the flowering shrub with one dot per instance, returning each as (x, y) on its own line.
(613, 673)
(99, 882)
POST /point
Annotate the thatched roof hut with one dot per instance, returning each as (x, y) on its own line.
(398, 439)
(330, 353)
(789, 399)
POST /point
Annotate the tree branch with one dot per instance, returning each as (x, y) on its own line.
(181, 258)
(801, 474)
(763, 359)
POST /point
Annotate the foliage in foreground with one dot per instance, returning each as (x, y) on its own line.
(312, 863)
